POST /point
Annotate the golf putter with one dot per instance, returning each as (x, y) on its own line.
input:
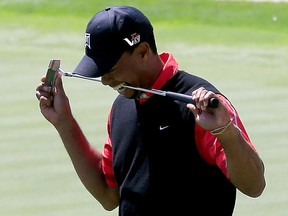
(213, 102)
(51, 73)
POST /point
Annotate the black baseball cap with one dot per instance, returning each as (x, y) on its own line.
(109, 34)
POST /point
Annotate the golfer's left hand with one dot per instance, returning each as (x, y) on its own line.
(208, 118)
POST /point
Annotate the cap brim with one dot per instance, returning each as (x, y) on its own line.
(87, 68)
(95, 67)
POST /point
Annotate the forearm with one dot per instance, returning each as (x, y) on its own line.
(87, 163)
(245, 168)
(55, 108)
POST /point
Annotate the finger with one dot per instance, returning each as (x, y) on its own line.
(206, 98)
(43, 78)
(45, 102)
(43, 88)
(203, 97)
(196, 112)
(200, 96)
(59, 85)
(196, 96)
(38, 95)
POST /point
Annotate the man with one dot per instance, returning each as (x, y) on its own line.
(161, 156)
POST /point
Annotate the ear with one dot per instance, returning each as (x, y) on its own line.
(142, 50)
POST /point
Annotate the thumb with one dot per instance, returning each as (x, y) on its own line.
(193, 109)
(59, 85)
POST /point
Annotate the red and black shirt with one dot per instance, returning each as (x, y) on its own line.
(161, 161)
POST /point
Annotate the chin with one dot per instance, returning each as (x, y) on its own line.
(132, 94)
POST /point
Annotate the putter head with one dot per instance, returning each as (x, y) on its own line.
(51, 73)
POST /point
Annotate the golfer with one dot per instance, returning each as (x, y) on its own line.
(161, 156)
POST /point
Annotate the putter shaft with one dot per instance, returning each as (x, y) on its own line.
(69, 74)
(213, 102)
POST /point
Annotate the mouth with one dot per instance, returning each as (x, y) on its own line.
(133, 93)
(120, 87)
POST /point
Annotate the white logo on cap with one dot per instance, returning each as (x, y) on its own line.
(87, 40)
(135, 38)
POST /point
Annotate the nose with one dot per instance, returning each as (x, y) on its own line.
(106, 79)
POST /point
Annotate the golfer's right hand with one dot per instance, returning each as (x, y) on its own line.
(53, 102)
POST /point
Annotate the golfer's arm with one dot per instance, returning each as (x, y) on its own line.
(245, 168)
(87, 163)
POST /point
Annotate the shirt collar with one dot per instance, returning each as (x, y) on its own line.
(169, 70)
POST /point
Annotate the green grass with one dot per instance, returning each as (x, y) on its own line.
(235, 45)
(237, 14)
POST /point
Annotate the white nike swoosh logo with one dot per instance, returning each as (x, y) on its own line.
(163, 127)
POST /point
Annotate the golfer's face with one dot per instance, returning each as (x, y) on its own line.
(124, 72)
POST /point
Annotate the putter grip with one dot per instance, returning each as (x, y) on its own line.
(213, 102)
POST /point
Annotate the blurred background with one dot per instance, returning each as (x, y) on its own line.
(240, 46)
